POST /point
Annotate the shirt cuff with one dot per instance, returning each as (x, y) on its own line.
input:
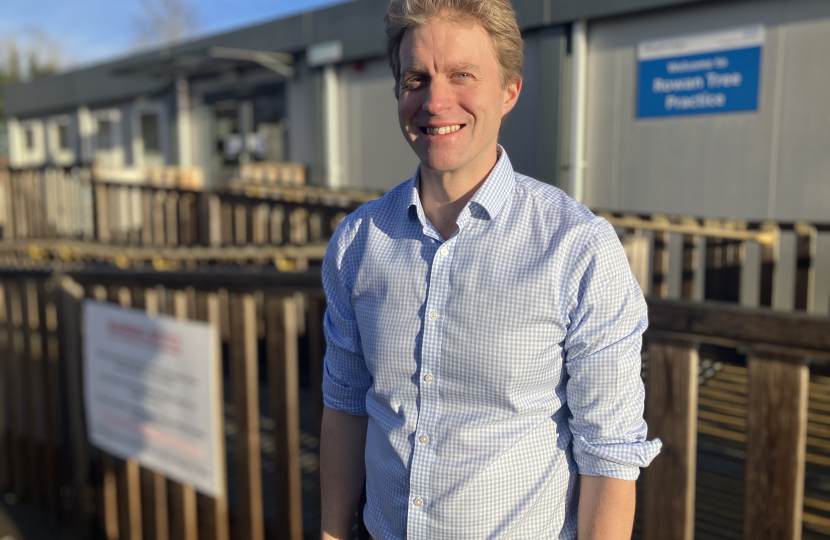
(343, 398)
(615, 460)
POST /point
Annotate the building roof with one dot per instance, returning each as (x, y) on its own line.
(357, 24)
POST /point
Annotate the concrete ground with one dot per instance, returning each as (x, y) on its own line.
(20, 522)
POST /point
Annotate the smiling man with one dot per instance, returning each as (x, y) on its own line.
(483, 364)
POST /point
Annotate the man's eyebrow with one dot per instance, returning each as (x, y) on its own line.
(464, 67)
(414, 70)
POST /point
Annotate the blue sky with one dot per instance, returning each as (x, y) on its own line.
(91, 31)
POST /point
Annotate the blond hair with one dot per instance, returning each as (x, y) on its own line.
(496, 17)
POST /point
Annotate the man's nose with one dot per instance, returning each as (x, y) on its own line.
(439, 97)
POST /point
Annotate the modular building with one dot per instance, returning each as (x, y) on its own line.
(708, 108)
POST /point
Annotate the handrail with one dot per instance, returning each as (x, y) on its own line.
(763, 237)
(729, 324)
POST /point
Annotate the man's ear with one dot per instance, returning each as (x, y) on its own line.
(511, 93)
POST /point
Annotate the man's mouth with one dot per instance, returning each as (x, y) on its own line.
(441, 130)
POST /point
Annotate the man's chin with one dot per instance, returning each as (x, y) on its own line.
(441, 162)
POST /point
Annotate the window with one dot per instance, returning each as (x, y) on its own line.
(63, 136)
(103, 140)
(30, 138)
(150, 134)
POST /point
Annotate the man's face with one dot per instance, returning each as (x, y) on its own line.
(451, 97)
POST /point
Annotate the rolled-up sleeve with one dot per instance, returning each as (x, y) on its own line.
(605, 392)
(345, 376)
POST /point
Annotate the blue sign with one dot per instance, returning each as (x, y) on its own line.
(700, 74)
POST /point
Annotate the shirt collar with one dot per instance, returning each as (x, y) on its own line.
(490, 197)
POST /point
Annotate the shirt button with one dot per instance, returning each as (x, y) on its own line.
(418, 501)
(424, 439)
(433, 315)
(444, 252)
(429, 377)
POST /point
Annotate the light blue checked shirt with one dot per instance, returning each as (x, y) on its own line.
(495, 367)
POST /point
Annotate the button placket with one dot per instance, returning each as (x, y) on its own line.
(431, 360)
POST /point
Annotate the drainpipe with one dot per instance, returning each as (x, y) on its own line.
(579, 67)
(331, 123)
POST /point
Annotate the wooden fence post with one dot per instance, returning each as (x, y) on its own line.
(805, 273)
(671, 414)
(283, 370)
(215, 510)
(243, 359)
(775, 448)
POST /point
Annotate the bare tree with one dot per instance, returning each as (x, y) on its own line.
(29, 55)
(165, 22)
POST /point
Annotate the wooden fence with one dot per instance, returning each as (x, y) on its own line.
(767, 414)
(712, 262)
(270, 328)
(69, 204)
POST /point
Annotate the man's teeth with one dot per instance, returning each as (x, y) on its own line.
(442, 130)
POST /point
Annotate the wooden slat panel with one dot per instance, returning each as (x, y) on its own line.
(316, 352)
(31, 370)
(284, 385)
(671, 413)
(775, 449)
(146, 217)
(690, 262)
(240, 224)
(154, 485)
(226, 222)
(130, 524)
(71, 374)
(660, 265)
(243, 359)
(214, 511)
(769, 262)
(183, 516)
(805, 273)
(5, 449)
(172, 218)
(50, 385)
(109, 498)
(18, 453)
(159, 213)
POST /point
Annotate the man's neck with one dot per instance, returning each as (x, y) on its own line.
(445, 193)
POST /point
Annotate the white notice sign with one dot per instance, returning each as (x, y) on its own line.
(151, 389)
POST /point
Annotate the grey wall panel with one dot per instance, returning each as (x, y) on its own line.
(532, 133)
(376, 154)
(301, 118)
(720, 164)
(522, 124)
(802, 183)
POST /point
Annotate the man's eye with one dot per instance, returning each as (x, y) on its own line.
(463, 75)
(413, 82)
